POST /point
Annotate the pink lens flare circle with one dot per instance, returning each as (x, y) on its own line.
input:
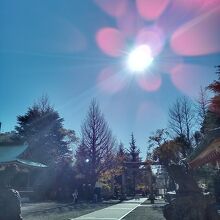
(111, 41)
(151, 10)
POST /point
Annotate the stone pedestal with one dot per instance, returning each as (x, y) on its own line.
(10, 208)
(189, 204)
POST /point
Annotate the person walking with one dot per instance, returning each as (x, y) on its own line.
(75, 196)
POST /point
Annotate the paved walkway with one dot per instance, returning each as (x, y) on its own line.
(115, 212)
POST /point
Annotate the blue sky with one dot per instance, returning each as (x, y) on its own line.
(51, 47)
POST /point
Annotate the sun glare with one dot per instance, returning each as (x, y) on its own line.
(139, 59)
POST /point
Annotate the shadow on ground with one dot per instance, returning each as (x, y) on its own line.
(147, 211)
(61, 211)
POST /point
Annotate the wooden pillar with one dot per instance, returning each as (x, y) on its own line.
(123, 186)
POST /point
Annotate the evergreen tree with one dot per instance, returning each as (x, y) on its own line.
(42, 129)
(121, 150)
(122, 155)
(10, 138)
(121, 158)
(48, 143)
(134, 170)
(133, 150)
(212, 119)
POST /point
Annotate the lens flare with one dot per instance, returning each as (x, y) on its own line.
(151, 10)
(199, 36)
(140, 58)
(110, 80)
(188, 78)
(151, 36)
(110, 41)
(150, 83)
(113, 8)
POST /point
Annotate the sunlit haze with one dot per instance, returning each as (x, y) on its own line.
(139, 58)
(78, 50)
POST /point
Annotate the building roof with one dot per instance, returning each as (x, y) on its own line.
(208, 150)
(9, 154)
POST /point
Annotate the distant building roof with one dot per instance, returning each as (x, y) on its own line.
(208, 150)
(9, 154)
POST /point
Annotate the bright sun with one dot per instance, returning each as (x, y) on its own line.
(140, 58)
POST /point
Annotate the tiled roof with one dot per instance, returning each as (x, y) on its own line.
(208, 150)
(10, 154)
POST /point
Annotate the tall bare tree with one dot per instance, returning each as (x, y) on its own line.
(181, 118)
(202, 104)
(159, 137)
(98, 143)
(188, 118)
(176, 123)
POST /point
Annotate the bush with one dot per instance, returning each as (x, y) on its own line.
(107, 192)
